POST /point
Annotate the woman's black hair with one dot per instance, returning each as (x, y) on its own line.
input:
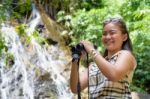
(127, 45)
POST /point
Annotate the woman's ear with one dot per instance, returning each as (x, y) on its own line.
(125, 37)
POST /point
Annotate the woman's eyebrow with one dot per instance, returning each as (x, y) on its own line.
(109, 30)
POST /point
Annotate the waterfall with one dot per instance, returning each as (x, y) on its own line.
(35, 71)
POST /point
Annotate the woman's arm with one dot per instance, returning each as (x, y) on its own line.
(74, 78)
(114, 72)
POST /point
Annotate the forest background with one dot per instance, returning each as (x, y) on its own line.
(82, 19)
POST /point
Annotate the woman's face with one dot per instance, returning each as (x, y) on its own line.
(113, 37)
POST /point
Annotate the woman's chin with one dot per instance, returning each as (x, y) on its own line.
(110, 47)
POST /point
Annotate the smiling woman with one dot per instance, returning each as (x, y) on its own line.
(109, 75)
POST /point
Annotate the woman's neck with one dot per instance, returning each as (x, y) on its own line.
(111, 53)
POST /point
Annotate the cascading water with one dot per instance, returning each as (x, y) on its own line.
(35, 71)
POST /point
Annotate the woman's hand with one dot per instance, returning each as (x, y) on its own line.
(88, 46)
(83, 54)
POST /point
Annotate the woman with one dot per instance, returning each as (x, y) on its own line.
(110, 75)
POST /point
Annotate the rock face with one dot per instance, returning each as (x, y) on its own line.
(39, 70)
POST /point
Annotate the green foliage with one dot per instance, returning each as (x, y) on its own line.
(38, 38)
(141, 49)
(12, 9)
(88, 4)
(21, 29)
(21, 9)
(9, 60)
(3, 52)
(4, 10)
(86, 25)
(2, 44)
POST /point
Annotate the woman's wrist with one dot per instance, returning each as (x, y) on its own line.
(94, 53)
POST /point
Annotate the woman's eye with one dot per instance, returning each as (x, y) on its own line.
(104, 34)
(112, 32)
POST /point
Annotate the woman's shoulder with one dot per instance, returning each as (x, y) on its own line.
(128, 55)
(122, 53)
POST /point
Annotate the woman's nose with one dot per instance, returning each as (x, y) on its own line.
(108, 36)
